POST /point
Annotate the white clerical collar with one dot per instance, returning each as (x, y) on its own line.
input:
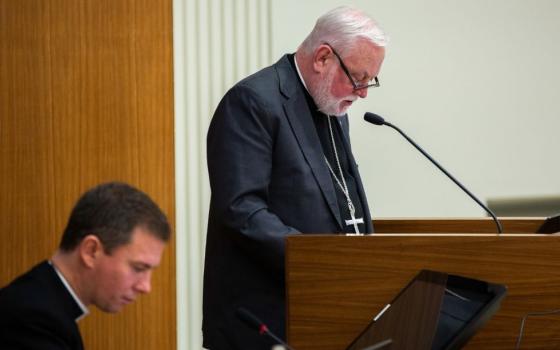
(299, 74)
(85, 310)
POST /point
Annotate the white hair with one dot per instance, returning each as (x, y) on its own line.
(341, 28)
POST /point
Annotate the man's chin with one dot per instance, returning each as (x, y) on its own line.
(112, 309)
(337, 109)
(336, 112)
(343, 108)
(342, 111)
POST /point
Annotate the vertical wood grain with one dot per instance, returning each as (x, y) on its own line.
(86, 96)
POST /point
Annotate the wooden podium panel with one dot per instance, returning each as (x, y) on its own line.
(336, 283)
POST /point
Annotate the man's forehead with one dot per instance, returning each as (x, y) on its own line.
(365, 61)
(143, 243)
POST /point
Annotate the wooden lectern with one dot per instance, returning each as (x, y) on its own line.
(336, 284)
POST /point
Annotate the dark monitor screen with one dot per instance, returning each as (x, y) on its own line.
(435, 311)
(467, 305)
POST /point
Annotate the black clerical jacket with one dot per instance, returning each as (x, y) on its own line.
(38, 312)
(269, 179)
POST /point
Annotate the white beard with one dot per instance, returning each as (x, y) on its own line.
(325, 102)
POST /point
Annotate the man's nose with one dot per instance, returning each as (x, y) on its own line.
(144, 285)
(362, 93)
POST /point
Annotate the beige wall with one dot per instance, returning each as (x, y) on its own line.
(85, 97)
(474, 82)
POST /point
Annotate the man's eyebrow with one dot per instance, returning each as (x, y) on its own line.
(143, 265)
(364, 77)
(361, 75)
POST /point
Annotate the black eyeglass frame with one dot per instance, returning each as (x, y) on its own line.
(355, 86)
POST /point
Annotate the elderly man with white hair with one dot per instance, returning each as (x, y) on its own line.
(280, 163)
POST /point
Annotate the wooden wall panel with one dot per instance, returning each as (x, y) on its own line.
(85, 97)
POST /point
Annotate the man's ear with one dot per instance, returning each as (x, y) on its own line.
(90, 249)
(321, 58)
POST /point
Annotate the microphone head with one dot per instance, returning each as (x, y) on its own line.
(246, 316)
(374, 118)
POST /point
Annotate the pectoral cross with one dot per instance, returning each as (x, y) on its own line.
(354, 221)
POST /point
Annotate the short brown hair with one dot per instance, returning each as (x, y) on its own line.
(111, 211)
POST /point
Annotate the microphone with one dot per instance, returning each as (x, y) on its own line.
(378, 120)
(252, 321)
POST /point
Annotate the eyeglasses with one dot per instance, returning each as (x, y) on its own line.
(357, 86)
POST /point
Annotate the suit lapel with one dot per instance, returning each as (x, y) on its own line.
(63, 303)
(301, 121)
